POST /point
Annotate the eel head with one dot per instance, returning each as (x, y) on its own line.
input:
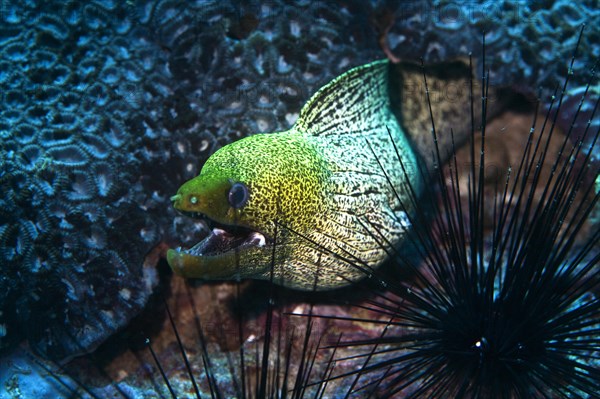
(242, 192)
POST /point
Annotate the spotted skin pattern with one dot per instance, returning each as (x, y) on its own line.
(321, 188)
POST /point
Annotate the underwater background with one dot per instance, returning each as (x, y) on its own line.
(107, 107)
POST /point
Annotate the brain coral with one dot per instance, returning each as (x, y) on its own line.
(107, 106)
(524, 39)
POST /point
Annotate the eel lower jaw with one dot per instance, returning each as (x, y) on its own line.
(217, 255)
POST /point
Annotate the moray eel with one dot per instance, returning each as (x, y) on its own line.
(321, 202)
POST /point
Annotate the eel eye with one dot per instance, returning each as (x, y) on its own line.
(238, 195)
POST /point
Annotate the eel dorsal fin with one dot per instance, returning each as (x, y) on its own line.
(356, 101)
(368, 98)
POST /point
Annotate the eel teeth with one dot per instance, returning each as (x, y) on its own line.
(258, 239)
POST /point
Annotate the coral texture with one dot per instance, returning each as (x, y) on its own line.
(523, 39)
(106, 107)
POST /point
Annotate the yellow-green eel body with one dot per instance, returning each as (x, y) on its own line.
(317, 205)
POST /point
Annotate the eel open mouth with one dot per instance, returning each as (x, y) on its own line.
(210, 258)
(220, 241)
(224, 238)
